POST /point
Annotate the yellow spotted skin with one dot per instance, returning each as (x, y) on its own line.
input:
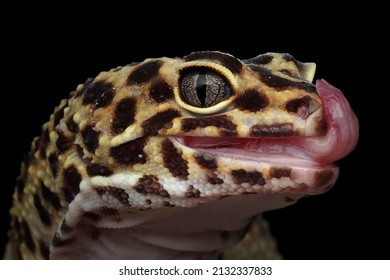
(109, 177)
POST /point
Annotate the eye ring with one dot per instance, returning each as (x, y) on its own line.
(205, 87)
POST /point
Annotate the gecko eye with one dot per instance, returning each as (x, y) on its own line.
(203, 87)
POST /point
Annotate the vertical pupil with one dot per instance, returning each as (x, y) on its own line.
(201, 87)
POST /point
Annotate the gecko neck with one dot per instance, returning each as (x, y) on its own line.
(172, 233)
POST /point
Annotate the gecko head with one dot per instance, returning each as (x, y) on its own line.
(204, 143)
(209, 125)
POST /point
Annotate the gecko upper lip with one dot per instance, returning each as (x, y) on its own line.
(340, 139)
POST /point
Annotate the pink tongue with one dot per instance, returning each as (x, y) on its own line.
(343, 127)
(340, 139)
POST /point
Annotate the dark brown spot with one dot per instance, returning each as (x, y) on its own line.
(160, 90)
(271, 130)
(130, 152)
(148, 201)
(271, 79)
(72, 180)
(44, 141)
(81, 154)
(281, 83)
(144, 72)
(192, 192)
(123, 115)
(59, 115)
(98, 170)
(53, 162)
(42, 212)
(251, 100)
(108, 211)
(117, 193)
(279, 172)
(65, 228)
(149, 184)
(206, 161)
(173, 160)
(260, 59)
(50, 197)
(226, 126)
(230, 62)
(58, 242)
(72, 125)
(215, 180)
(163, 193)
(149, 189)
(324, 177)
(296, 104)
(253, 178)
(158, 121)
(99, 93)
(63, 143)
(140, 188)
(44, 249)
(27, 237)
(91, 138)
(92, 216)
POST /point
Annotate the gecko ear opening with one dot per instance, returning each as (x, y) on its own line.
(307, 70)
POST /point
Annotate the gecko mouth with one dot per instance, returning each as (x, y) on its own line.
(340, 139)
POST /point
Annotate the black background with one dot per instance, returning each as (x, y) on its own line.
(48, 55)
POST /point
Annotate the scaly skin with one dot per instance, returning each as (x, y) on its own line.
(173, 158)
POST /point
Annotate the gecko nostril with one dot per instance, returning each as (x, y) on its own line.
(303, 111)
(303, 106)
